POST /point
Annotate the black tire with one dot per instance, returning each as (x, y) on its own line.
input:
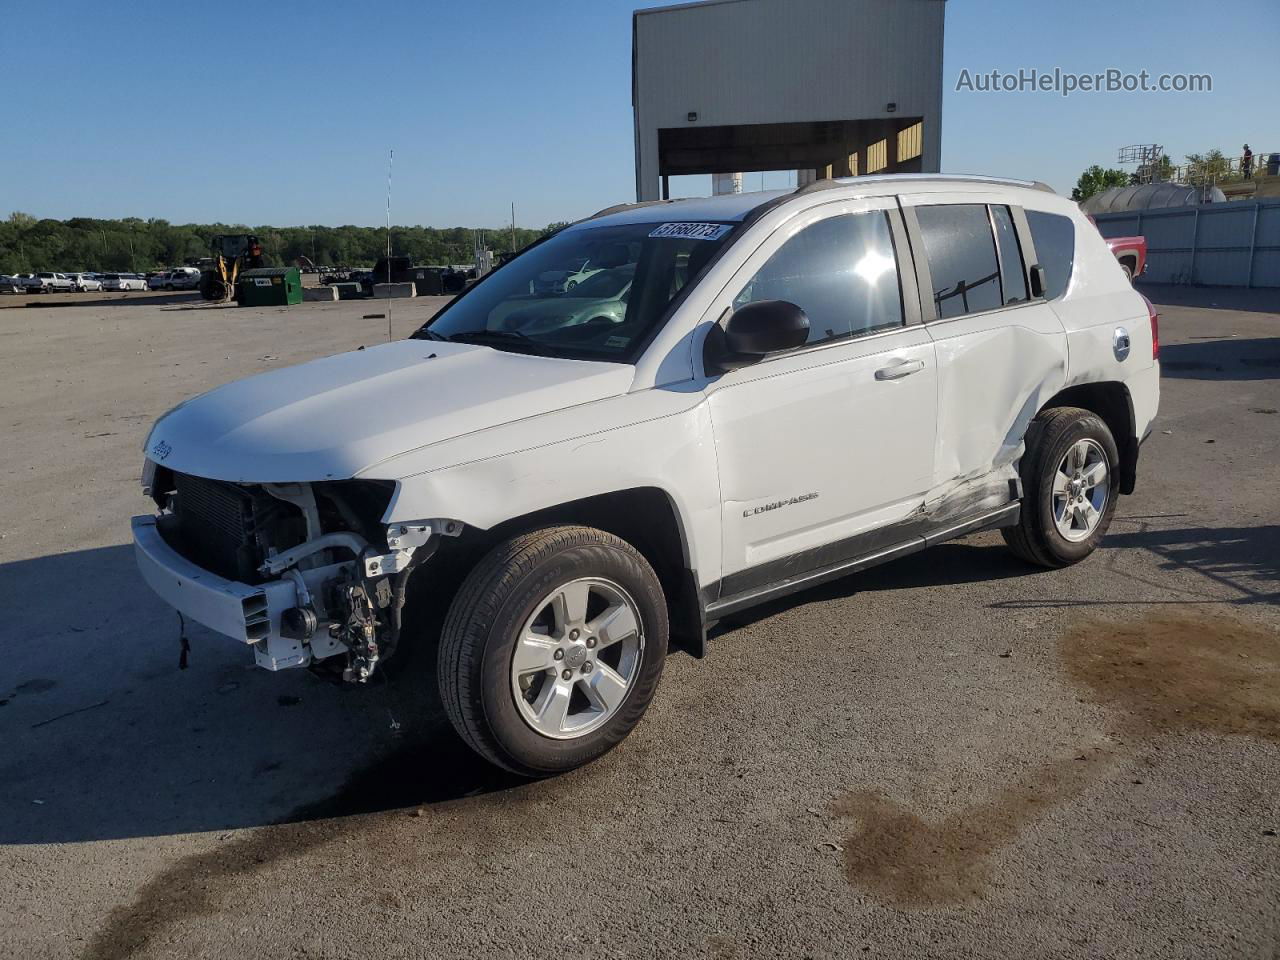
(1036, 538)
(480, 632)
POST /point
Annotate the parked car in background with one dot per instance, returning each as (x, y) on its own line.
(599, 300)
(10, 284)
(1132, 254)
(123, 281)
(24, 281)
(553, 282)
(156, 279)
(82, 282)
(48, 282)
(183, 278)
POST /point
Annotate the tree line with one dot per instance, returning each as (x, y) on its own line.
(28, 244)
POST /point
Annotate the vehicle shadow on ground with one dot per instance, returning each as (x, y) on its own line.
(944, 565)
(1245, 560)
(105, 737)
(1228, 359)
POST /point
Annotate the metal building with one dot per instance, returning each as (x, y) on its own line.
(825, 87)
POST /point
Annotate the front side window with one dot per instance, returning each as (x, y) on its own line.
(842, 272)
(590, 293)
(961, 252)
(1054, 237)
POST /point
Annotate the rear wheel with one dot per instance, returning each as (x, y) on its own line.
(552, 649)
(1069, 490)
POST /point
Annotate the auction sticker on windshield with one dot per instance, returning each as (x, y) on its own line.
(692, 231)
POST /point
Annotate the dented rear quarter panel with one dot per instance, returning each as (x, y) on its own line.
(995, 372)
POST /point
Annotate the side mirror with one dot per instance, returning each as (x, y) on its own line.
(757, 330)
(1039, 282)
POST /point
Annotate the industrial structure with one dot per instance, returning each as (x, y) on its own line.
(829, 88)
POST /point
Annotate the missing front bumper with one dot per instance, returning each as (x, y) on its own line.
(249, 614)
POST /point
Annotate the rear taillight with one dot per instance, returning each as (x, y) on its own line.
(1155, 327)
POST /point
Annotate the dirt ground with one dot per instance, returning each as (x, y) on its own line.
(951, 755)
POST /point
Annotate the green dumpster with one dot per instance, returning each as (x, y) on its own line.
(269, 287)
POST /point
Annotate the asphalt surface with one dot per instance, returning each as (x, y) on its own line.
(952, 755)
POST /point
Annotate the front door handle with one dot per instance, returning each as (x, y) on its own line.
(900, 370)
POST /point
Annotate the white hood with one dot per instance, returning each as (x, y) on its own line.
(331, 419)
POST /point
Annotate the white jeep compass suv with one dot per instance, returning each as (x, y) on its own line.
(797, 386)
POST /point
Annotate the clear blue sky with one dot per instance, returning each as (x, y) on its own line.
(286, 116)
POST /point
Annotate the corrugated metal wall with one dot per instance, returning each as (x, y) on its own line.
(1235, 244)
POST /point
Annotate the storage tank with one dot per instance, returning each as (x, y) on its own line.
(1147, 196)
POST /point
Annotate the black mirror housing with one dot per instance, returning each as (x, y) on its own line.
(753, 332)
(764, 327)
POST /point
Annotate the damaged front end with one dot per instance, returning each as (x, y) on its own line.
(306, 573)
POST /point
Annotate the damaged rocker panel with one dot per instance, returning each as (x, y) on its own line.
(788, 575)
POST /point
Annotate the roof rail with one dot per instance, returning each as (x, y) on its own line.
(828, 184)
(620, 207)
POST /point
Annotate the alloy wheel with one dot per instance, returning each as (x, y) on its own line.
(577, 658)
(1081, 485)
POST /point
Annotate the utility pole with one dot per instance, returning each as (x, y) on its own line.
(390, 160)
(513, 228)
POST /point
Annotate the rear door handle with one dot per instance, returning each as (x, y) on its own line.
(899, 370)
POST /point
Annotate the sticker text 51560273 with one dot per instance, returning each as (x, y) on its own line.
(692, 231)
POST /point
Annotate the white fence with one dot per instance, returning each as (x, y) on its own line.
(1234, 244)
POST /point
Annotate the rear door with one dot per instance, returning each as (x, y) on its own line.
(1001, 353)
(822, 447)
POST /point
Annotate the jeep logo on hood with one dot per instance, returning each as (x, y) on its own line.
(161, 450)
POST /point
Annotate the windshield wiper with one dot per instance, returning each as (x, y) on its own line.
(483, 335)
(425, 333)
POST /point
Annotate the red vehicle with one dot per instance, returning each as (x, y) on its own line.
(1130, 251)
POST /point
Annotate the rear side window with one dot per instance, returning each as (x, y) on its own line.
(842, 272)
(1055, 240)
(961, 251)
(1013, 276)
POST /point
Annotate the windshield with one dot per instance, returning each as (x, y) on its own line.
(632, 273)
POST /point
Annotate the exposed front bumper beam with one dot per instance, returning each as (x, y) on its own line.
(250, 614)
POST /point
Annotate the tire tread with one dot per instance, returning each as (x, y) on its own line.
(476, 606)
(1025, 539)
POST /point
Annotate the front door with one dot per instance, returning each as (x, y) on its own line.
(822, 447)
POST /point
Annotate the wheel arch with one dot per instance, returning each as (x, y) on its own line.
(1112, 402)
(647, 517)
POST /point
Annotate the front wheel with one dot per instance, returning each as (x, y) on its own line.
(552, 649)
(1069, 488)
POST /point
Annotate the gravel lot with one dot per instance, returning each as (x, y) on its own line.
(953, 755)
